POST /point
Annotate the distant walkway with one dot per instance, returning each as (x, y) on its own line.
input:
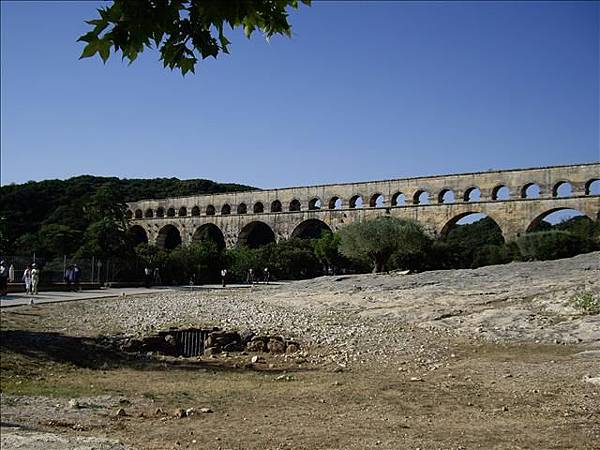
(19, 299)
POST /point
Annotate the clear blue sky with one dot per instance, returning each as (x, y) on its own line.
(363, 91)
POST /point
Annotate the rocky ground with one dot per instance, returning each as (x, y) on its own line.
(432, 360)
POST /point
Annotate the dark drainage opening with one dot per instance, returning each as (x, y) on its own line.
(188, 342)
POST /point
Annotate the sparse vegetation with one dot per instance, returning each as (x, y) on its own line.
(586, 302)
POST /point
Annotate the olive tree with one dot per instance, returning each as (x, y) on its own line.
(378, 239)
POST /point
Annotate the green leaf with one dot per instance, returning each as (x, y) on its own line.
(89, 50)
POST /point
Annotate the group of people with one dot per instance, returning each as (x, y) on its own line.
(254, 277)
(31, 278)
(73, 277)
(151, 277)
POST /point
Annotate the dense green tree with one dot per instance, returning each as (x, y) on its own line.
(327, 249)
(50, 241)
(378, 239)
(552, 245)
(182, 30)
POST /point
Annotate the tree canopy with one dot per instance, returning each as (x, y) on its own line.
(182, 30)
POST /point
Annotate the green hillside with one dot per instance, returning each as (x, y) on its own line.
(27, 208)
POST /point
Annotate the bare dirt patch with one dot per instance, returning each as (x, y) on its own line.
(437, 360)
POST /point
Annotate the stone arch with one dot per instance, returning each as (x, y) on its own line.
(171, 212)
(421, 197)
(531, 190)
(182, 211)
(138, 214)
(310, 229)
(256, 234)
(242, 208)
(210, 210)
(562, 189)
(276, 206)
(335, 202)
(446, 195)
(356, 201)
(129, 214)
(258, 208)
(138, 235)
(472, 194)
(454, 221)
(209, 232)
(398, 199)
(160, 212)
(376, 200)
(149, 213)
(535, 224)
(314, 203)
(295, 205)
(195, 211)
(501, 192)
(225, 210)
(592, 187)
(168, 237)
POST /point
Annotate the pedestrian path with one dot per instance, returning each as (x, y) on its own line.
(19, 299)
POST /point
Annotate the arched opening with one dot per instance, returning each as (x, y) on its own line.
(311, 229)
(530, 190)
(171, 212)
(398, 199)
(195, 211)
(562, 189)
(258, 208)
(294, 205)
(314, 203)
(149, 213)
(168, 237)
(592, 187)
(275, 206)
(210, 210)
(182, 211)
(242, 208)
(138, 235)
(376, 200)
(335, 203)
(564, 219)
(446, 196)
(160, 212)
(473, 194)
(138, 214)
(209, 232)
(225, 210)
(421, 198)
(256, 234)
(500, 192)
(129, 214)
(356, 202)
(471, 240)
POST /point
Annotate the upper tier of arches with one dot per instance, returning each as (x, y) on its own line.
(420, 196)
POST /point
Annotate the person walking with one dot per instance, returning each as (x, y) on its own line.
(68, 277)
(147, 277)
(11, 274)
(223, 276)
(157, 280)
(3, 278)
(250, 276)
(27, 279)
(76, 277)
(266, 275)
(35, 278)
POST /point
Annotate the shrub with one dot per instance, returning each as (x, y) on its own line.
(587, 302)
(551, 245)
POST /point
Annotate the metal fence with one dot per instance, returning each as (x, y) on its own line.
(93, 270)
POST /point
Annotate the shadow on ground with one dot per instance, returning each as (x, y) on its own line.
(95, 353)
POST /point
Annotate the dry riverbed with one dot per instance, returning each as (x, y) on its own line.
(496, 357)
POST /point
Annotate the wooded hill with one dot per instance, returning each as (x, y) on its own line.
(25, 208)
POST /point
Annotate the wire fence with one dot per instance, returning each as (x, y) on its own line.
(93, 270)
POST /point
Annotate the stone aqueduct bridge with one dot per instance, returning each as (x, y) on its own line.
(256, 217)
